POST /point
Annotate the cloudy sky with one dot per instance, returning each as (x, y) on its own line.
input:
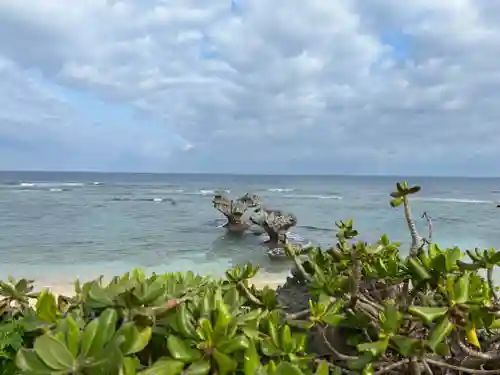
(249, 86)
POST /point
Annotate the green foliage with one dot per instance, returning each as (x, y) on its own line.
(435, 312)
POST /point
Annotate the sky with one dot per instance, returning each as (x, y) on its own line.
(251, 86)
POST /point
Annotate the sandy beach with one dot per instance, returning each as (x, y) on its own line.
(67, 288)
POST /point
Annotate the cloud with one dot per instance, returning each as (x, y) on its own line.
(251, 85)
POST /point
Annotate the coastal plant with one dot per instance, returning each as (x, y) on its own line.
(429, 312)
(369, 309)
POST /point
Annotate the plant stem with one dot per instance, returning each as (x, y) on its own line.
(489, 274)
(249, 294)
(392, 366)
(462, 369)
(416, 240)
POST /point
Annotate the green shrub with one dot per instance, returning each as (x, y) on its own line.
(431, 312)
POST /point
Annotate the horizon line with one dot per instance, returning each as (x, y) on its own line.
(245, 174)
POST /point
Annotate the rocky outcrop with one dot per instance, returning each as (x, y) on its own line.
(235, 210)
(276, 224)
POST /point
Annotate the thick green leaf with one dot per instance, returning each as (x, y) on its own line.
(286, 339)
(223, 317)
(46, 307)
(376, 348)
(468, 266)
(225, 364)
(133, 338)
(405, 345)
(53, 353)
(105, 330)
(88, 336)
(495, 258)
(180, 350)
(428, 314)
(130, 366)
(98, 297)
(286, 368)
(442, 329)
(413, 190)
(232, 297)
(231, 345)
(29, 362)
(251, 361)
(360, 362)
(269, 349)
(273, 334)
(461, 288)
(72, 334)
(164, 366)
(390, 320)
(201, 367)
(332, 319)
(322, 369)
(419, 270)
(368, 370)
(439, 263)
(397, 194)
(396, 202)
(303, 324)
(184, 322)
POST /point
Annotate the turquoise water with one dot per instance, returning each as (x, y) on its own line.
(58, 226)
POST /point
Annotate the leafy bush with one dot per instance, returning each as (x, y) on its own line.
(374, 310)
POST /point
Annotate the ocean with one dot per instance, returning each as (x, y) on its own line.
(57, 226)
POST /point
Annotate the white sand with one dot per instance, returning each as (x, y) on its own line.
(67, 288)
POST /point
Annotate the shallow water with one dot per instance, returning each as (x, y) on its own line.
(58, 226)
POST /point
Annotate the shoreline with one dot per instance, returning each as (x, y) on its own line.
(272, 281)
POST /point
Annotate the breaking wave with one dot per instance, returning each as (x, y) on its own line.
(453, 200)
(50, 184)
(312, 196)
(157, 199)
(280, 190)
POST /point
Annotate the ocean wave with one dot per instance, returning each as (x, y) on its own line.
(206, 192)
(156, 199)
(315, 228)
(280, 190)
(453, 200)
(50, 184)
(312, 196)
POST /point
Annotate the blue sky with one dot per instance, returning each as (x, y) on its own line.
(249, 86)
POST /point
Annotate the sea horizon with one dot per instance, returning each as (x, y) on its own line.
(117, 172)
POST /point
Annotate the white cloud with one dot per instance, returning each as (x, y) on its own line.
(263, 83)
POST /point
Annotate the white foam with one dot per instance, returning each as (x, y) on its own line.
(51, 184)
(55, 189)
(453, 200)
(280, 190)
(157, 199)
(210, 191)
(313, 196)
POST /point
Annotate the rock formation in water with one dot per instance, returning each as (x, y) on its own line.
(235, 209)
(276, 224)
